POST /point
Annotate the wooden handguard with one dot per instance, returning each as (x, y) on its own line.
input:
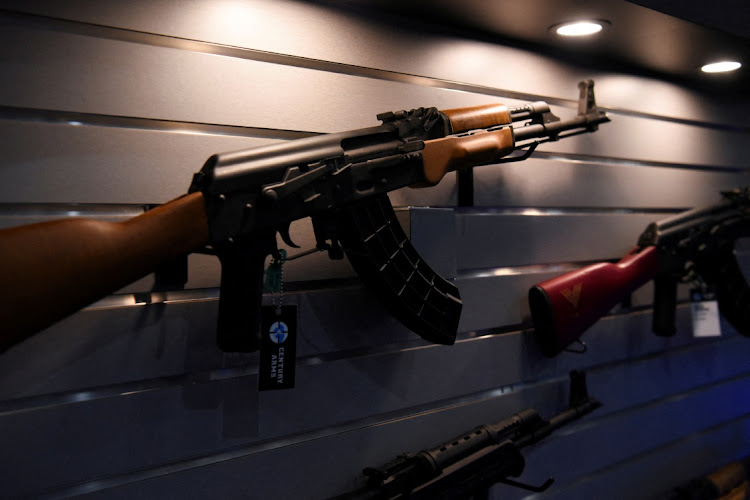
(477, 117)
(51, 269)
(441, 156)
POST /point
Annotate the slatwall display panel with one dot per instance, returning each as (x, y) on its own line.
(91, 79)
(372, 442)
(116, 106)
(223, 412)
(181, 85)
(316, 34)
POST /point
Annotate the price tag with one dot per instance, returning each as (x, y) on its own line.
(705, 312)
(278, 347)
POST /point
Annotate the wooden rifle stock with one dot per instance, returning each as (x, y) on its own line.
(565, 306)
(51, 269)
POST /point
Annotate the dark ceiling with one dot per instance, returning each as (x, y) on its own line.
(669, 39)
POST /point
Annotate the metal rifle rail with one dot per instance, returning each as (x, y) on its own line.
(473, 462)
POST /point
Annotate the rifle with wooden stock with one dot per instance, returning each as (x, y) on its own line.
(694, 246)
(239, 201)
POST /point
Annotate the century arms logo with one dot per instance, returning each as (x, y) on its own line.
(278, 332)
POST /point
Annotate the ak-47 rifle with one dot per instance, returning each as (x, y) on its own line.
(240, 200)
(471, 463)
(694, 246)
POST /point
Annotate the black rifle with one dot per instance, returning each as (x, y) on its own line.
(239, 201)
(471, 463)
(695, 246)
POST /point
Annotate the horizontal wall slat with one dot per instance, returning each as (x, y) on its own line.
(53, 163)
(638, 138)
(102, 76)
(57, 163)
(551, 182)
(169, 339)
(486, 241)
(81, 359)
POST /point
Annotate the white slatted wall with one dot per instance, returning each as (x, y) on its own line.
(106, 107)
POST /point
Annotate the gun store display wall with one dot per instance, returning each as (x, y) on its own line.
(108, 109)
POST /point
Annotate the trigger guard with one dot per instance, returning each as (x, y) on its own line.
(284, 233)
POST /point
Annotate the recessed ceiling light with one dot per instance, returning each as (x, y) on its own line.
(721, 67)
(579, 28)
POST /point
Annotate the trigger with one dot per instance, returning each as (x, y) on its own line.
(284, 233)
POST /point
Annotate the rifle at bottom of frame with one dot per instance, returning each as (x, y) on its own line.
(468, 465)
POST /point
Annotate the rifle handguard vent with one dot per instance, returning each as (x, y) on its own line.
(388, 264)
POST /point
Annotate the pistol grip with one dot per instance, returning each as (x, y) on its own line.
(734, 296)
(721, 270)
(238, 328)
(388, 264)
(665, 305)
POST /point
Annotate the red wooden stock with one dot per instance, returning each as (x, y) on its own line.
(564, 307)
